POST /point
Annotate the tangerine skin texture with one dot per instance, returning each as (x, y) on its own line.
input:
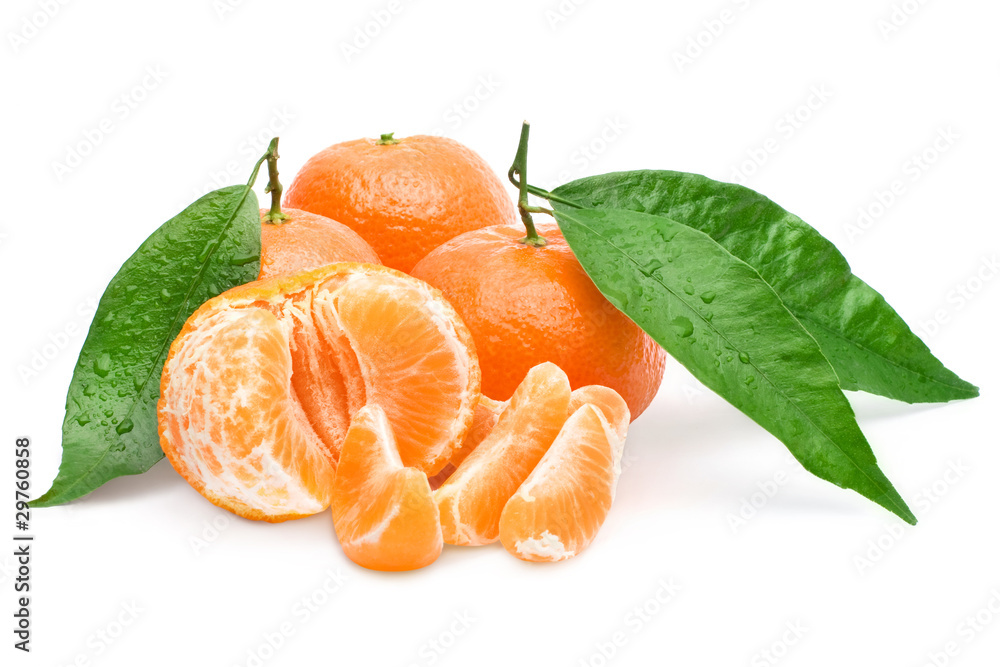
(405, 199)
(306, 241)
(528, 305)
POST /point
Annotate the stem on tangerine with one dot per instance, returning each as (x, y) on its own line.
(520, 168)
(274, 216)
(387, 140)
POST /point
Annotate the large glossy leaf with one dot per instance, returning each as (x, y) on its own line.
(867, 342)
(718, 317)
(111, 426)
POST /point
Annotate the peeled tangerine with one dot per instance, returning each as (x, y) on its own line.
(383, 512)
(260, 386)
(542, 480)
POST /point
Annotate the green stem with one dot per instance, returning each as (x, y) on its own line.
(545, 194)
(274, 216)
(256, 168)
(387, 140)
(520, 168)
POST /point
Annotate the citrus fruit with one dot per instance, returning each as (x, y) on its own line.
(404, 196)
(259, 386)
(305, 241)
(526, 305)
(483, 420)
(472, 498)
(612, 407)
(383, 512)
(562, 504)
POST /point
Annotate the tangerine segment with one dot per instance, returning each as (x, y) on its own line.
(471, 500)
(383, 512)
(326, 377)
(612, 406)
(231, 426)
(558, 510)
(483, 420)
(417, 361)
(335, 334)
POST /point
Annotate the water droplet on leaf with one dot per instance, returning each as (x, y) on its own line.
(206, 251)
(682, 326)
(102, 365)
(243, 261)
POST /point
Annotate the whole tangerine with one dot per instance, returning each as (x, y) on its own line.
(527, 304)
(403, 196)
(304, 240)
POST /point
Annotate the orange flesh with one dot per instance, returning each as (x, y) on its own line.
(244, 445)
(303, 353)
(383, 513)
(558, 510)
(471, 500)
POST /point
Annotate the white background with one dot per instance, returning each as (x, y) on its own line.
(604, 89)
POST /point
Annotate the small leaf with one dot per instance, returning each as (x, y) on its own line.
(111, 425)
(866, 341)
(724, 323)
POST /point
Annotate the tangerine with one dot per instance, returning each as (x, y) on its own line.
(403, 196)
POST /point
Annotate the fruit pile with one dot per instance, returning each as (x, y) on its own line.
(409, 358)
(395, 344)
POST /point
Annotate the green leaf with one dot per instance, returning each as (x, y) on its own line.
(720, 319)
(867, 342)
(110, 427)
